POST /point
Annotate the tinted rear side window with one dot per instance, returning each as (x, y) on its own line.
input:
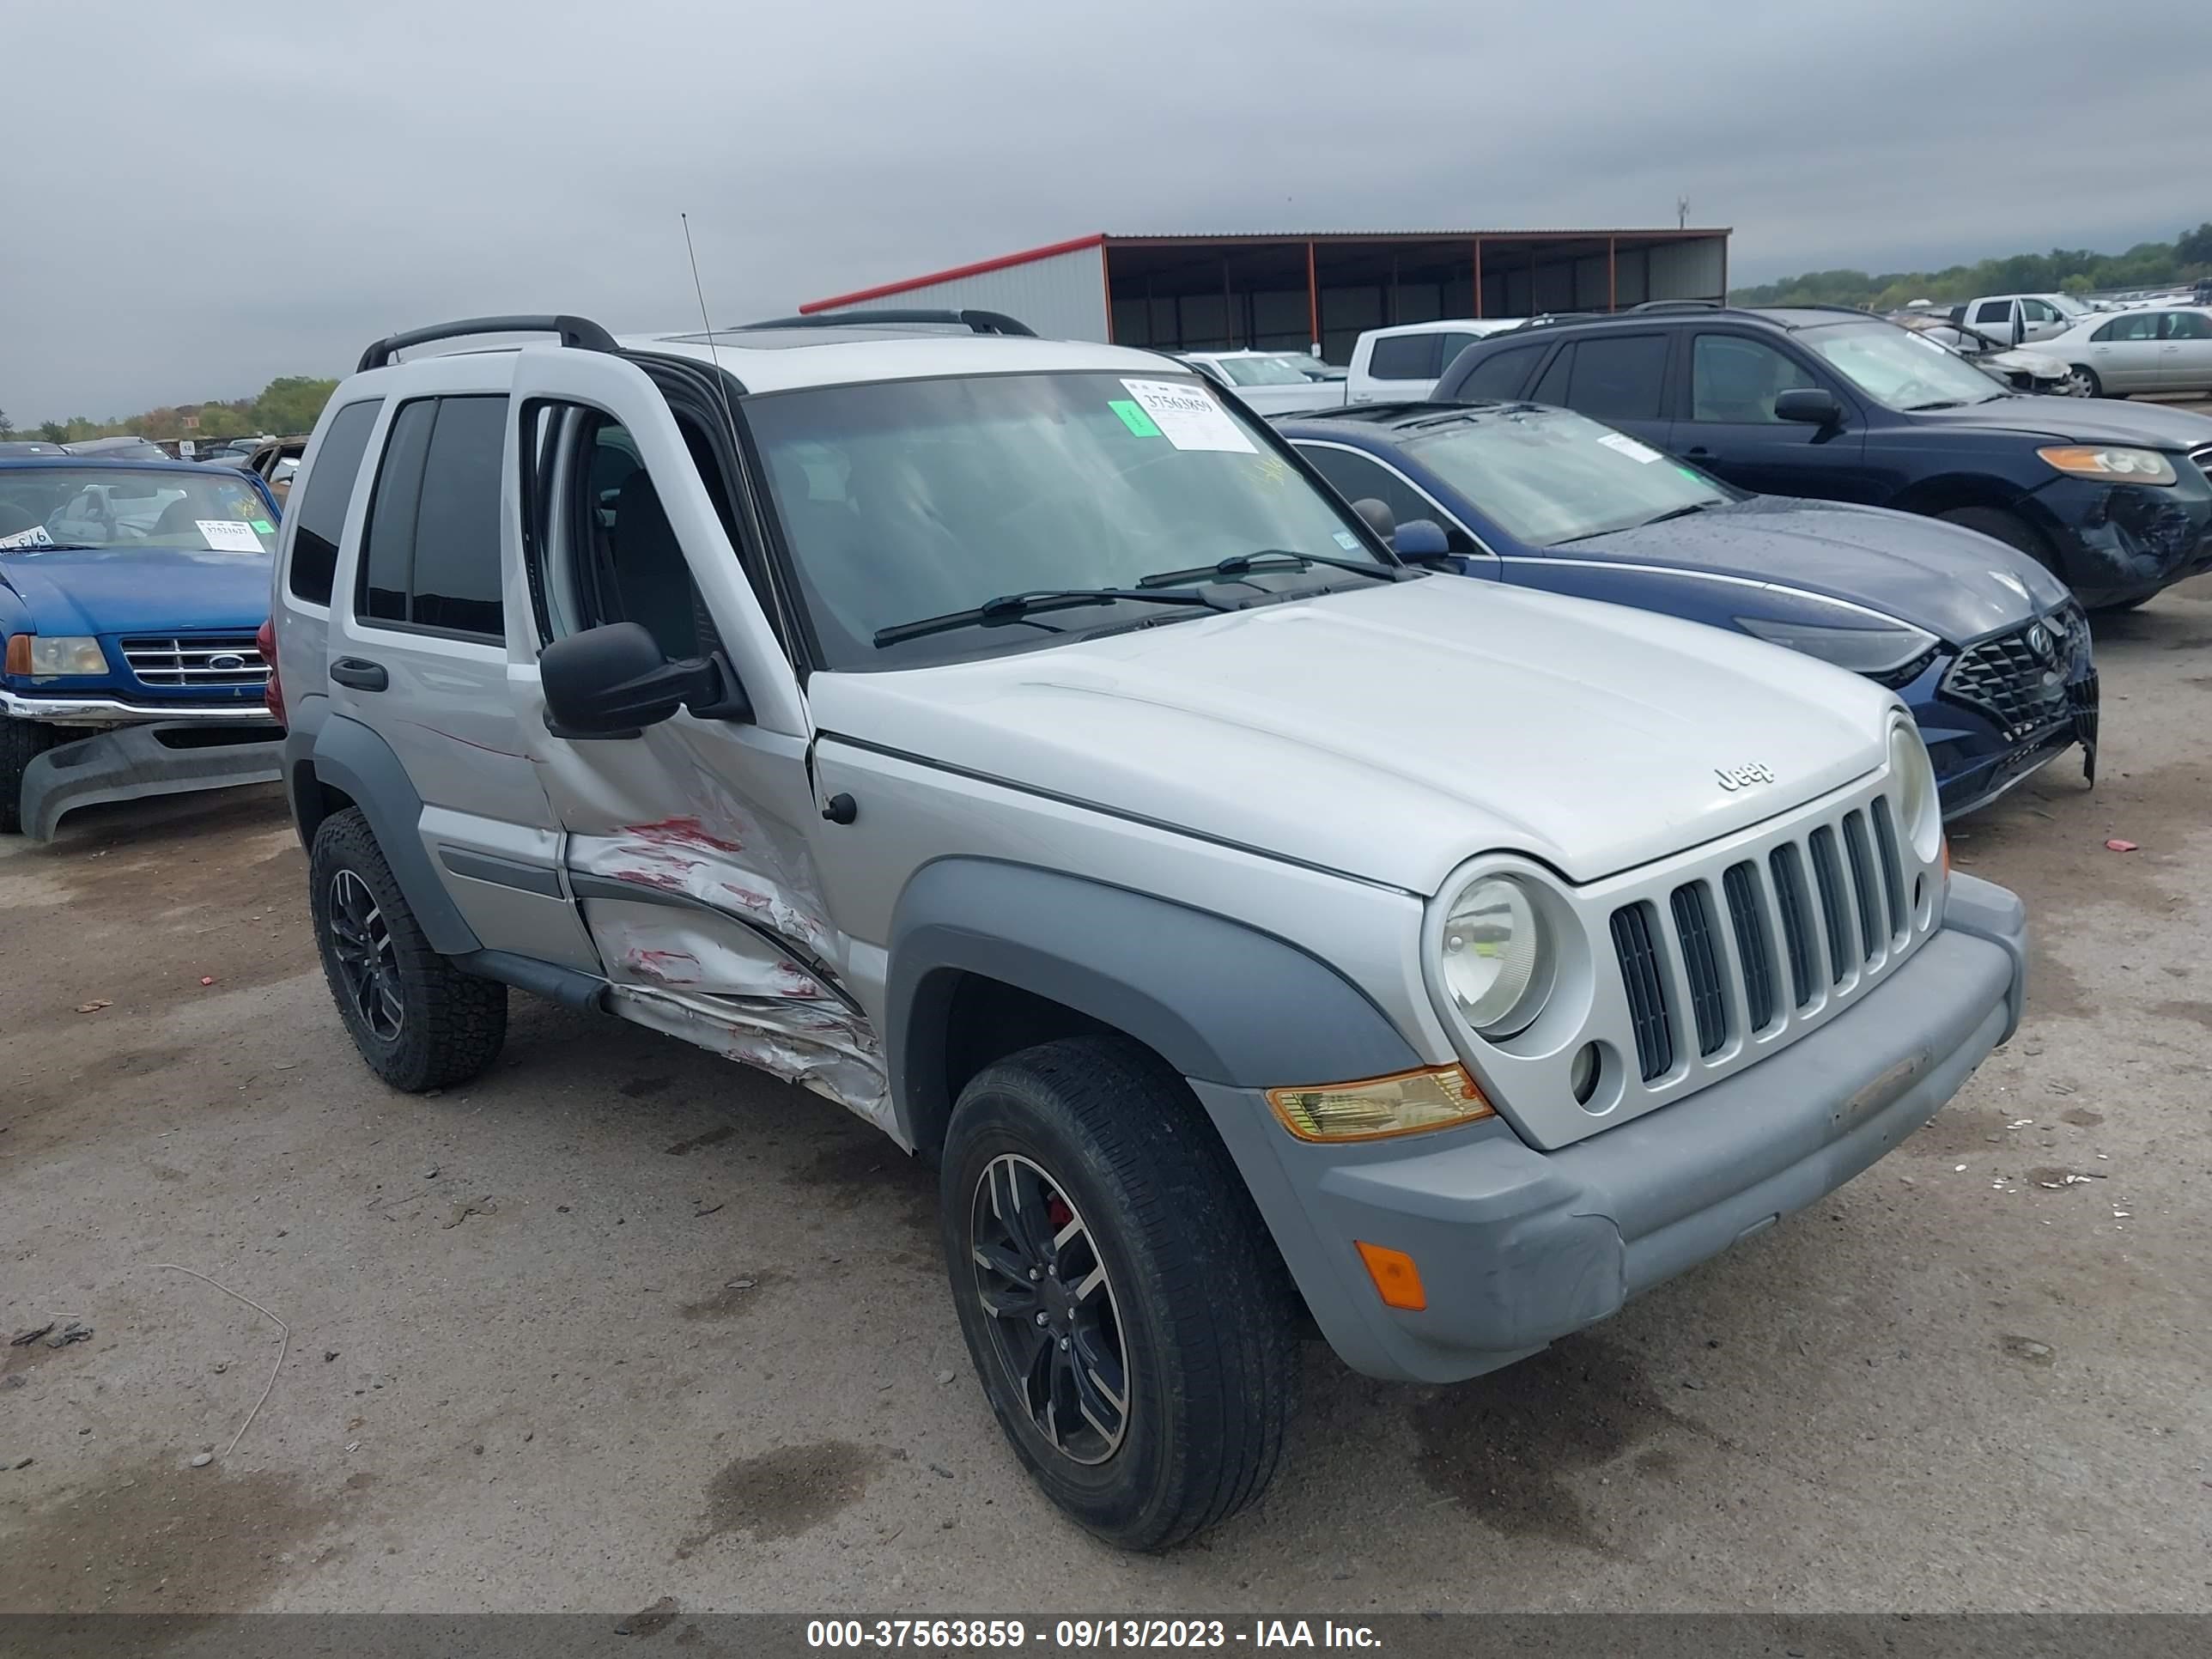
(430, 556)
(1617, 379)
(1404, 357)
(321, 507)
(1499, 375)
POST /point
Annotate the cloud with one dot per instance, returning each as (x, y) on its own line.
(201, 202)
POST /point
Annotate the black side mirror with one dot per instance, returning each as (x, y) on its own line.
(1378, 516)
(1809, 404)
(1421, 538)
(613, 682)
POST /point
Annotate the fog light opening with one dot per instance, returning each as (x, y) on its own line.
(1584, 1076)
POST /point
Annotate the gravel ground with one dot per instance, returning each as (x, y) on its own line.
(620, 1321)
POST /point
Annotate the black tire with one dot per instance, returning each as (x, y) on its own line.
(2136, 603)
(2009, 528)
(419, 1022)
(1205, 1314)
(2082, 381)
(21, 742)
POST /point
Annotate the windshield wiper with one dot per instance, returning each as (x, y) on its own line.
(1674, 513)
(1941, 403)
(1275, 558)
(1016, 607)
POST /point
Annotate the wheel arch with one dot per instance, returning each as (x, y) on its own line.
(988, 956)
(349, 765)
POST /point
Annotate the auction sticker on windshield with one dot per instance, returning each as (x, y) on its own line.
(1187, 416)
(1628, 446)
(229, 536)
(34, 537)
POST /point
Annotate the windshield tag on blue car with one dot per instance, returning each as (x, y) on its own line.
(1628, 446)
(229, 536)
(34, 537)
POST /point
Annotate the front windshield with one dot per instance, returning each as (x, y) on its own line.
(1898, 368)
(2072, 307)
(1548, 477)
(112, 505)
(903, 499)
(1263, 371)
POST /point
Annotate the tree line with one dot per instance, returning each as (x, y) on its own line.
(2186, 258)
(285, 405)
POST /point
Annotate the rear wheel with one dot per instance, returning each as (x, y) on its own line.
(419, 1022)
(21, 742)
(1134, 1330)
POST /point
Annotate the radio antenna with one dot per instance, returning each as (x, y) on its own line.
(714, 356)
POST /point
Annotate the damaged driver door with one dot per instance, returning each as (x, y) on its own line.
(687, 848)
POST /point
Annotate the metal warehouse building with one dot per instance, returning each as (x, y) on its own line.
(1287, 292)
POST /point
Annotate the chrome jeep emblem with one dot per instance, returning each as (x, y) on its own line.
(1734, 778)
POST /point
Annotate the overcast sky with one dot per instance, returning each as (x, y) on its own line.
(202, 197)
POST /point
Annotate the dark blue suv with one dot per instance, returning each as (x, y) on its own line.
(1984, 645)
(2114, 498)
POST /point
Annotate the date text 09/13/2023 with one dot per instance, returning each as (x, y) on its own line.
(1084, 1635)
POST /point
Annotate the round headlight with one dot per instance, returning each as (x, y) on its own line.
(1918, 804)
(1496, 958)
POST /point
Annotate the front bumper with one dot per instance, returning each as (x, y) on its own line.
(102, 710)
(1518, 1247)
(2117, 542)
(132, 762)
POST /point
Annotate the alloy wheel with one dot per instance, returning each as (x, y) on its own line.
(367, 961)
(1054, 1328)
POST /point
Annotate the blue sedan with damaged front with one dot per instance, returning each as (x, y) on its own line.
(132, 596)
(1986, 646)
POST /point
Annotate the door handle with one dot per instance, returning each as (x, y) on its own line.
(359, 673)
(1698, 452)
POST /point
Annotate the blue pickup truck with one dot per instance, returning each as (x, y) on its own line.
(131, 595)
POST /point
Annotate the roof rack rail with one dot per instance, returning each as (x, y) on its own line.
(978, 322)
(1681, 305)
(1548, 319)
(581, 333)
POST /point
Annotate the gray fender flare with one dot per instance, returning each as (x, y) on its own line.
(1220, 1002)
(348, 755)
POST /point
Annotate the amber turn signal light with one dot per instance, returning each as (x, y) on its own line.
(1397, 1281)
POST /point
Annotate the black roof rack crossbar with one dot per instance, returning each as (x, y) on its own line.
(1681, 305)
(978, 322)
(581, 333)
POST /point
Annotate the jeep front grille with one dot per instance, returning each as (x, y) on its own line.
(206, 660)
(1837, 931)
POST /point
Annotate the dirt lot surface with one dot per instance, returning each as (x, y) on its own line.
(620, 1321)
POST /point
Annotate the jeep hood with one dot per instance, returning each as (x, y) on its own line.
(138, 590)
(1957, 583)
(1392, 732)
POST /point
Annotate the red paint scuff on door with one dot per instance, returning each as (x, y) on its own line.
(682, 832)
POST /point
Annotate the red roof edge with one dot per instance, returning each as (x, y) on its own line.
(1027, 256)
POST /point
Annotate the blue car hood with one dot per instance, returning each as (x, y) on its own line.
(138, 590)
(1957, 584)
(2081, 421)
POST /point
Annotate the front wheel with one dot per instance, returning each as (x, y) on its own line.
(2082, 381)
(1135, 1332)
(2009, 528)
(419, 1022)
(21, 742)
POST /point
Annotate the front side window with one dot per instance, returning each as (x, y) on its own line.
(1736, 380)
(1361, 477)
(2040, 311)
(1548, 476)
(1261, 371)
(430, 554)
(1899, 371)
(130, 509)
(907, 499)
